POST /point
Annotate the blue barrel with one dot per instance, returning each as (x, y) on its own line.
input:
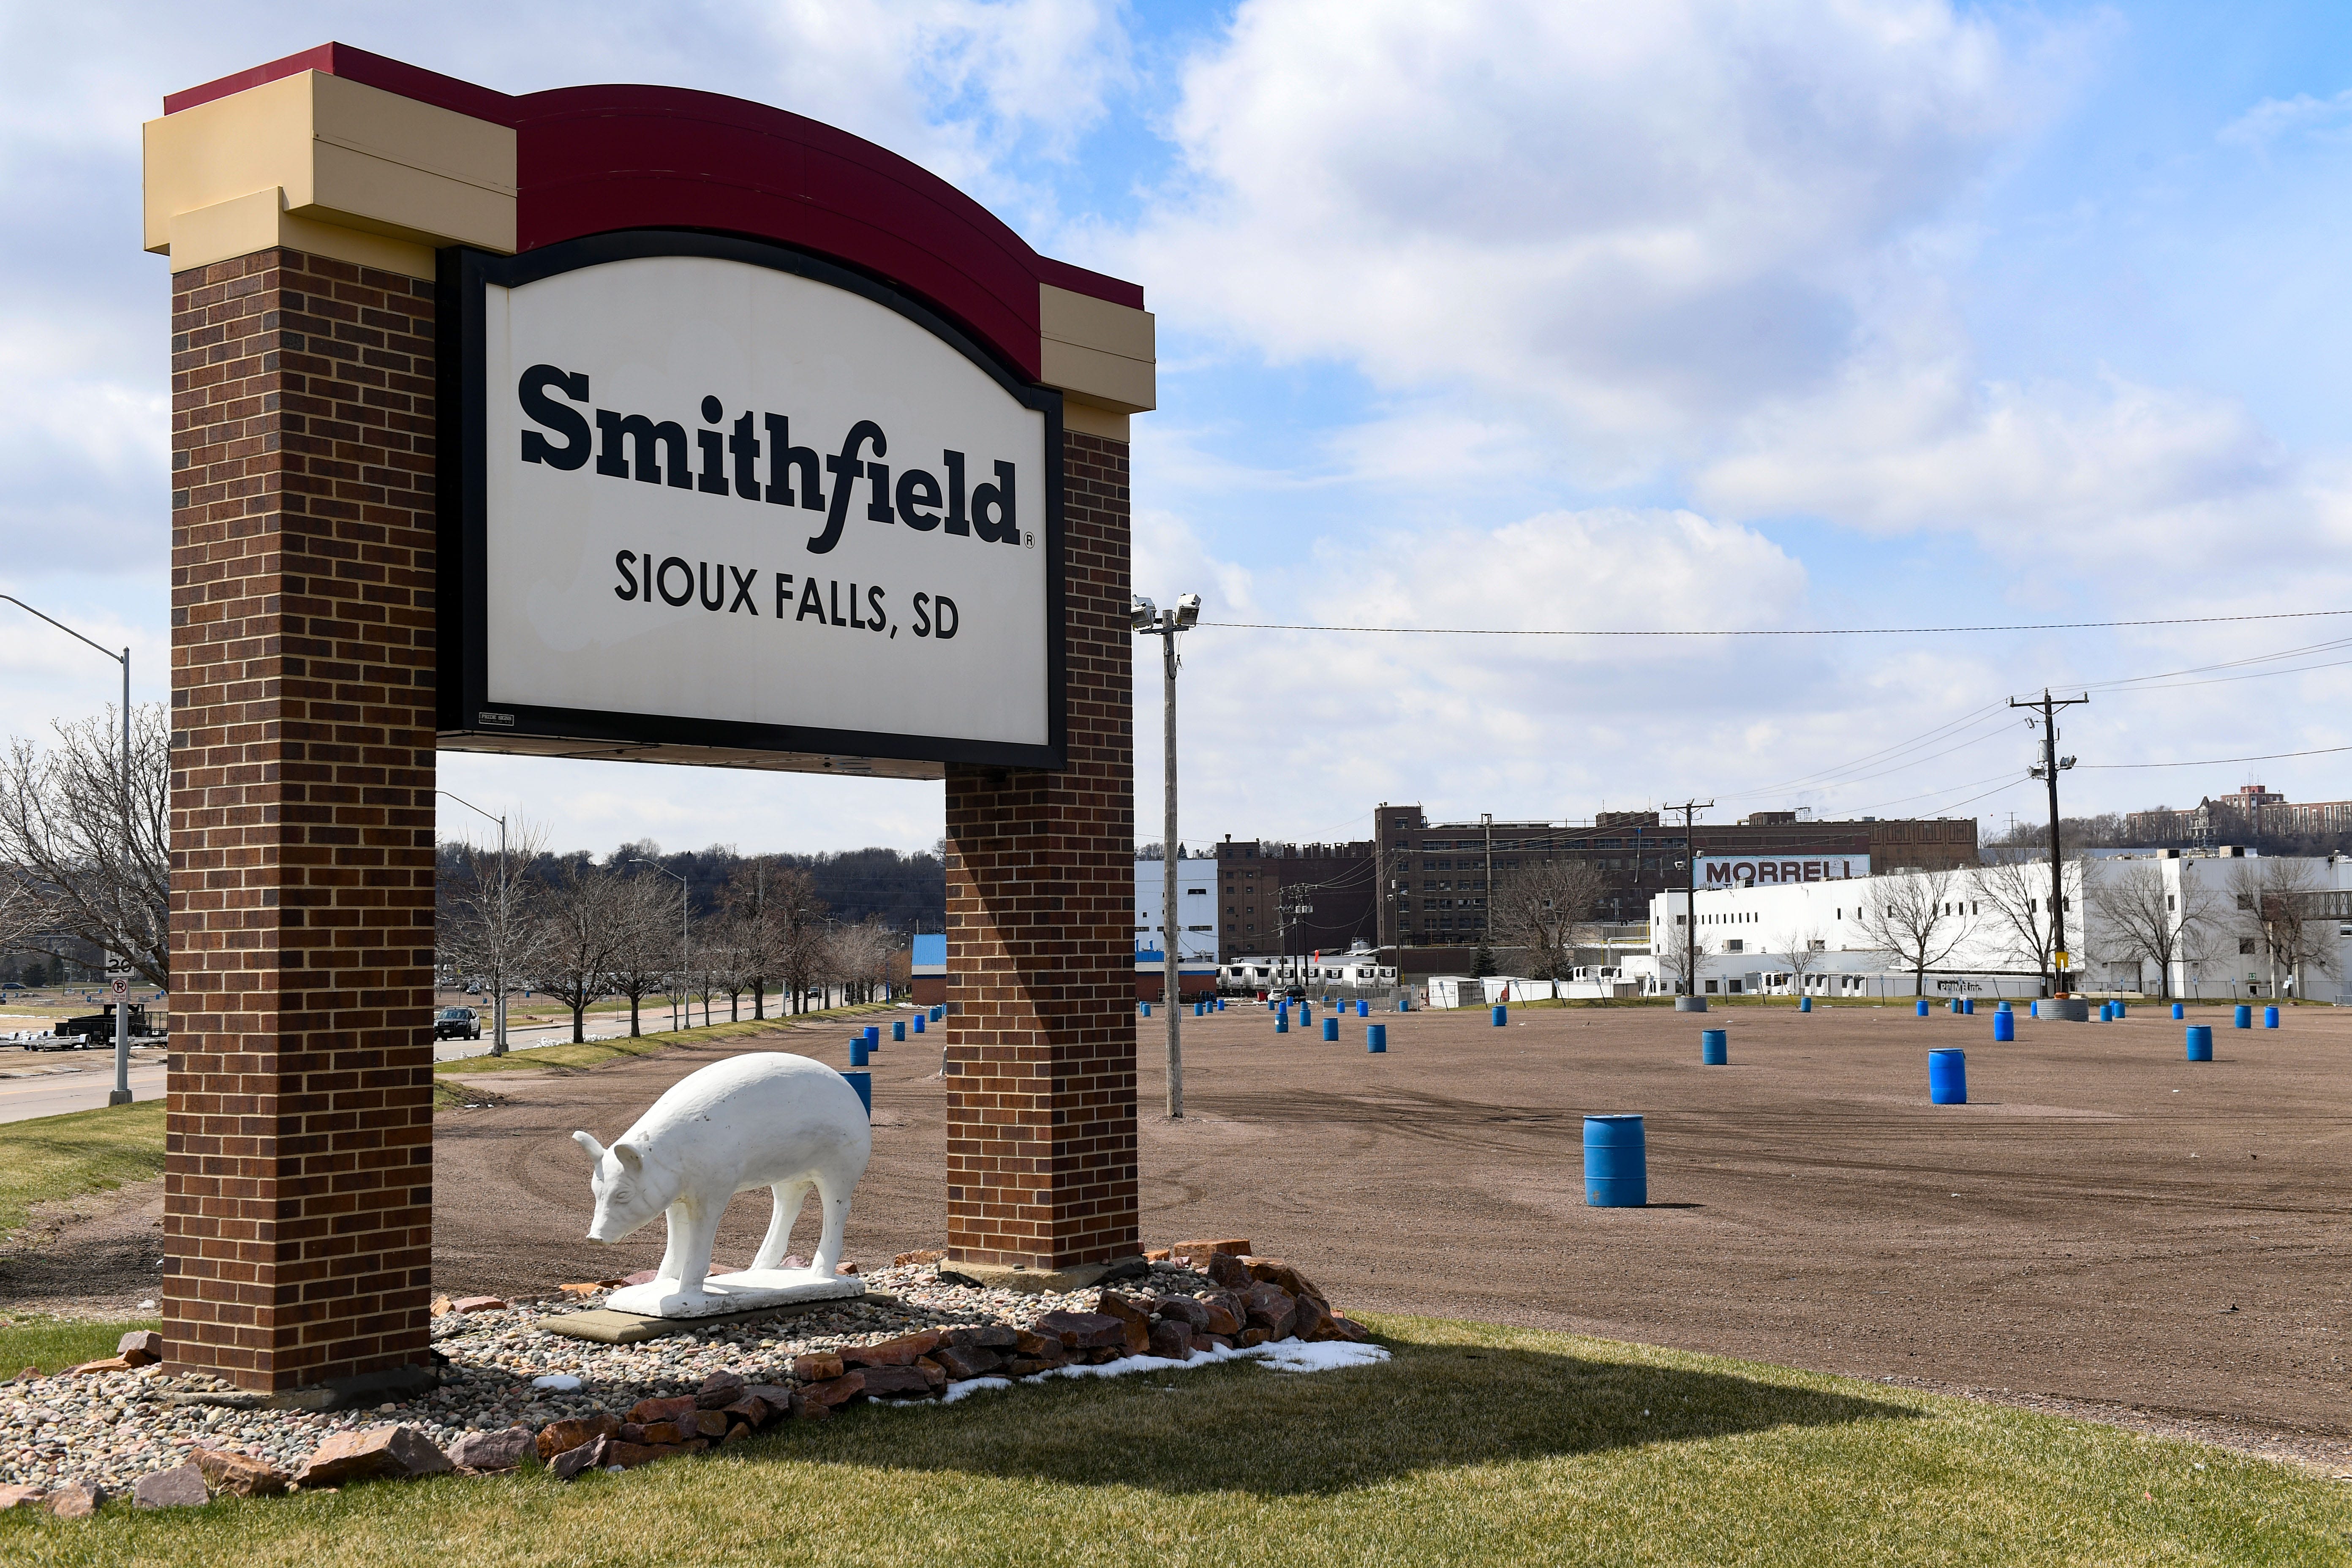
(1376, 1039)
(1715, 1048)
(2245, 1018)
(1804, 1004)
(2270, 1017)
(1405, 1003)
(863, 1082)
(2004, 1025)
(2179, 1011)
(1220, 1004)
(1306, 1015)
(938, 1013)
(897, 1028)
(2201, 1042)
(2005, 1007)
(1331, 1027)
(857, 1051)
(1363, 1008)
(1146, 1009)
(1502, 1016)
(1282, 1023)
(873, 1036)
(1922, 1008)
(2121, 1010)
(919, 1023)
(1947, 1078)
(1968, 1005)
(1616, 1165)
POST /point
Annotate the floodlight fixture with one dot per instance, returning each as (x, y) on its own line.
(1188, 612)
(1142, 613)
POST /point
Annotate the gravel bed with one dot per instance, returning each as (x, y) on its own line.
(113, 1427)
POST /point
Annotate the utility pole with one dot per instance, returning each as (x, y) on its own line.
(1690, 810)
(1487, 822)
(1145, 618)
(2050, 767)
(498, 968)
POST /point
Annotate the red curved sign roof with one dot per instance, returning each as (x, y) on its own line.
(594, 159)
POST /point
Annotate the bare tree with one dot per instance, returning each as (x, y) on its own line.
(2017, 887)
(2276, 907)
(1674, 957)
(645, 946)
(87, 848)
(579, 917)
(858, 958)
(1915, 920)
(1543, 908)
(795, 917)
(1806, 950)
(21, 912)
(2146, 921)
(754, 926)
(484, 924)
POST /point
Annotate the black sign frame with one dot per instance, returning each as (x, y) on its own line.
(467, 717)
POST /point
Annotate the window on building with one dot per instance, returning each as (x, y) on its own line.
(1735, 945)
(2245, 944)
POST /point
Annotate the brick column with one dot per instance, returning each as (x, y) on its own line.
(1041, 951)
(298, 1178)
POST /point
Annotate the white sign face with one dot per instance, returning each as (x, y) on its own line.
(1777, 870)
(726, 494)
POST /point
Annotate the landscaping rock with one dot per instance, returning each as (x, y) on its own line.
(564, 1437)
(720, 1390)
(1275, 1271)
(182, 1486)
(487, 1451)
(1271, 1308)
(1133, 1314)
(1084, 1330)
(79, 1499)
(896, 1383)
(663, 1433)
(1046, 1348)
(387, 1452)
(1314, 1319)
(1172, 1338)
(904, 1351)
(1229, 1271)
(1192, 1312)
(240, 1474)
(963, 1362)
(909, 1260)
(141, 1347)
(646, 1412)
(833, 1392)
(710, 1424)
(820, 1368)
(88, 1368)
(1224, 1312)
(1200, 1252)
(586, 1456)
(1350, 1329)
(752, 1410)
(804, 1408)
(478, 1304)
(20, 1497)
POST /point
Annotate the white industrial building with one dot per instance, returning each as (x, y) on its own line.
(2187, 923)
(1196, 877)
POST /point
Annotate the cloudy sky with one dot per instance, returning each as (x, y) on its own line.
(1672, 315)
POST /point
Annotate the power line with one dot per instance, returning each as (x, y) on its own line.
(2217, 761)
(1763, 631)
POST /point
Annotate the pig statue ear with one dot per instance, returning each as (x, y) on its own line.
(595, 1149)
(628, 1155)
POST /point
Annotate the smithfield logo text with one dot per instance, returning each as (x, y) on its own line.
(737, 460)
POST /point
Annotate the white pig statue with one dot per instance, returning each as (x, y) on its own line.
(765, 1118)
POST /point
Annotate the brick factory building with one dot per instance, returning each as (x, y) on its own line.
(1338, 884)
(1432, 876)
(2253, 813)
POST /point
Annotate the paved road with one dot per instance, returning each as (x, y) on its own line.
(54, 1082)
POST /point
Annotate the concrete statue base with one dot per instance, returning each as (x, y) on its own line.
(748, 1292)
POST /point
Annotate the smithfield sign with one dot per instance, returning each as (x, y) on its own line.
(1774, 871)
(720, 501)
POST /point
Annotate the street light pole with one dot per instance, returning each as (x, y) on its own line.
(681, 941)
(1165, 625)
(1690, 810)
(2052, 764)
(497, 967)
(120, 1093)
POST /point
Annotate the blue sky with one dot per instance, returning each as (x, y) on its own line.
(1491, 314)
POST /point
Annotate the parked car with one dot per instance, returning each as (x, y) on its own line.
(457, 1024)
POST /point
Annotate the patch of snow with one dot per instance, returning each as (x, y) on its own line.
(1322, 1355)
(561, 1381)
(960, 1390)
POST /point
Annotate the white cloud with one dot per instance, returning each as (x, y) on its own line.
(2274, 119)
(1644, 219)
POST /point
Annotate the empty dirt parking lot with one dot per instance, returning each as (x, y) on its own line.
(2104, 1222)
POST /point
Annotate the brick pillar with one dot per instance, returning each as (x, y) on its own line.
(298, 1177)
(1041, 951)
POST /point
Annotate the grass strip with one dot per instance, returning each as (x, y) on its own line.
(51, 1344)
(596, 1053)
(51, 1157)
(1475, 1446)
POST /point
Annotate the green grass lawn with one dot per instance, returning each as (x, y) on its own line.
(52, 1344)
(81, 1151)
(596, 1053)
(1476, 1445)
